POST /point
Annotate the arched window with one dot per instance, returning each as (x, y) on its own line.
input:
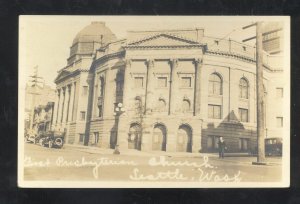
(244, 88)
(215, 84)
(186, 105)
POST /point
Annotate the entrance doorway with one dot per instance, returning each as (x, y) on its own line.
(159, 138)
(135, 136)
(184, 139)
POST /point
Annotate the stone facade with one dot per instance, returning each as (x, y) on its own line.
(171, 90)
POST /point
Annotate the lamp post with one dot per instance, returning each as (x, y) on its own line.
(119, 110)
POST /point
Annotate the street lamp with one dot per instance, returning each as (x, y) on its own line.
(119, 110)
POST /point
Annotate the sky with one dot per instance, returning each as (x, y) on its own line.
(45, 40)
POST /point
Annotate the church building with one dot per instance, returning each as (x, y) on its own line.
(164, 90)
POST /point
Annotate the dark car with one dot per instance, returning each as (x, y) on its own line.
(52, 139)
(273, 146)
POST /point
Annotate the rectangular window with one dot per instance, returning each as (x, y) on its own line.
(96, 136)
(279, 121)
(138, 82)
(84, 90)
(81, 137)
(100, 111)
(243, 113)
(243, 144)
(212, 142)
(162, 82)
(82, 115)
(186, 82)
(279, 92)
(214, 111)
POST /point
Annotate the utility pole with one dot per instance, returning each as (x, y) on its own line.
(259, 93)
(35, 81)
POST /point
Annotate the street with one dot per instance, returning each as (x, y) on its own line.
(90, 164)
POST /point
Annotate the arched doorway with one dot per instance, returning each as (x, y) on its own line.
(135, 136)
(184, 139)
(159, 138)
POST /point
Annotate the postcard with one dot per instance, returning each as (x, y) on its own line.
(154, 101)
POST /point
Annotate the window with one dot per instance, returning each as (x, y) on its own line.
(215, 84)
(101, 91)
(161, 105)
(185, 105)
(85, 90)
(138, 105)
(82, 115)
(81, 137)
(119, 83)
(138, 82)
(212, 142)
(244, 48)
(186, 82)
(162, 82)
(214, 111)
(96, 136)
(243, 113)
(279, 92)
(279, 121)
(244, 87)
(100, 109)
(243, 144)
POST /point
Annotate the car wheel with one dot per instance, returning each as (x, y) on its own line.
(58, 142)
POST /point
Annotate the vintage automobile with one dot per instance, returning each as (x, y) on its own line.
(273, 146)
(30, 138)
(52, 139)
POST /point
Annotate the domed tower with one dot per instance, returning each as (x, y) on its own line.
(89, 39)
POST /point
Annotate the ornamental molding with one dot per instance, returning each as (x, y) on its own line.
(158, 35)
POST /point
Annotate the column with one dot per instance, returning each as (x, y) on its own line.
(74, 102)
(173, 86)
(123, 126)
(65, 107)
(126, 83)
(60, 105)
(197, 92)
(150, 87)
(56, 106)
(70, 117)
(63, 104)
(107, 100)
(68, 106)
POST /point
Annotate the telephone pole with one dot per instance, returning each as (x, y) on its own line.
(35, 81)
(259, 93)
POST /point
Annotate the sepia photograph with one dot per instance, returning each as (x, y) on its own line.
(154, 101)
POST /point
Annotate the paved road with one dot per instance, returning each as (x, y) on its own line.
(76, 164)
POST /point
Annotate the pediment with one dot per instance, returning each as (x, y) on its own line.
(163, 40)
(62, 74)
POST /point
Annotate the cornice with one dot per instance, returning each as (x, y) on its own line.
(107, 57)
(159, 47)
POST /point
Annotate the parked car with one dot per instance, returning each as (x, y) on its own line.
(273, 146)
(52, 139)
(30, 138)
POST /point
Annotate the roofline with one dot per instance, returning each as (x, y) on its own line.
(166, 30)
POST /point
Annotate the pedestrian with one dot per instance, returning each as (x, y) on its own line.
(222, 147)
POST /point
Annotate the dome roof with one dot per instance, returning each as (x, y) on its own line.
(95, 32)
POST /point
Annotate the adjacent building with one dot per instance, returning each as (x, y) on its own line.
(36, 95)
(164, 90)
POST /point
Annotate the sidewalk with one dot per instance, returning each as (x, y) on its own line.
(229, 157)
(97, 150)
